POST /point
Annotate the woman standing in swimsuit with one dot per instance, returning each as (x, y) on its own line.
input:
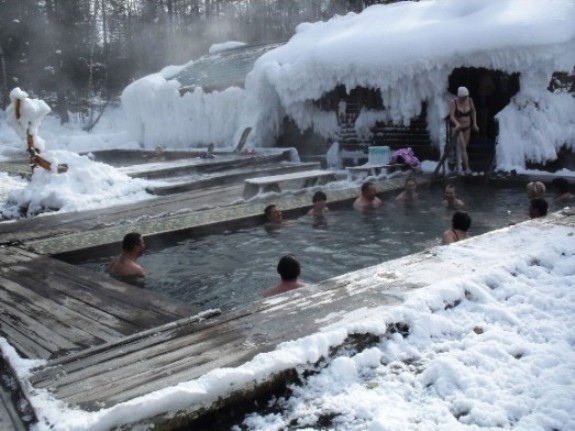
(463, 117)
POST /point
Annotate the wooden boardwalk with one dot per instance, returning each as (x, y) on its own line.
(50, 308)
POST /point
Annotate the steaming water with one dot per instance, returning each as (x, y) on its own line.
(233, 268)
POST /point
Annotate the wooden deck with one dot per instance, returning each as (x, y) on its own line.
(50, 308)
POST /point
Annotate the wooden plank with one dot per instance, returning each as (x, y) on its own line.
(44, 313)
(192, 341)
(114, 382)
(231, 318)
(120, 355)
(20, 339)
(60, 224)
(131, 305)
(46, 337)
(50, 307)
(74, 302)
(120, 348)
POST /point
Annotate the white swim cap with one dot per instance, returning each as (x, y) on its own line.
(462, 92)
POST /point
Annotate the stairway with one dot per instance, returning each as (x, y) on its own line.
(351, 150)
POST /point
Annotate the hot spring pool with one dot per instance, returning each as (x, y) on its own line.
(232, 268)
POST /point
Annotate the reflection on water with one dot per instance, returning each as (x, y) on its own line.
(233, 268)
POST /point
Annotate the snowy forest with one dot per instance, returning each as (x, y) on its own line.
(80, 54)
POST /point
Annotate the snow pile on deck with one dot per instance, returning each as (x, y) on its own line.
(86, 185)
(407, 50)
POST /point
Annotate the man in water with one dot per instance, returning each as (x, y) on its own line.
(274, 218)
(125, 264)
(319, 208)
(289, 270)
(450, 200)
(409, 193)
(368, 197)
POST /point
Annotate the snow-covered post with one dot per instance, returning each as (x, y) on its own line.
(25, 116)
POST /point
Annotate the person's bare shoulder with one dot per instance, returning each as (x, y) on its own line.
(271, 291)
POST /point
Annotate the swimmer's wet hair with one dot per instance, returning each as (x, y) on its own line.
(461, 221)
(365, 186)
(319, 196)
(288, 268)
(268, 210)
(131, 240)
(536, 189)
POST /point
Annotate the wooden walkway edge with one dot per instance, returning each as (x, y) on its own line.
(50, 308)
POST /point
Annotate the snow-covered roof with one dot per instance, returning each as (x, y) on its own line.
(391, 46)
(222, 68)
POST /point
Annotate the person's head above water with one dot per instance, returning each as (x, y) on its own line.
(288, 268)
(273, 213)
(368, 191)
(319, 201)
(450, 199)
(461, 221)
(538, 207)
(410, 184)
(132, 242)
(535, 189)
(449, 193)
(125, 265)
(319, 196)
